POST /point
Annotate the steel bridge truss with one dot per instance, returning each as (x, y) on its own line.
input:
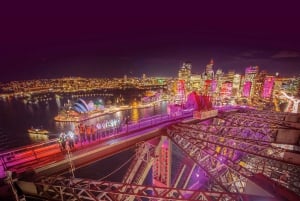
(231, 151)
(248, 121)
(240, 157)
(265, 114)
(249, 132)
(74, 189)
(139, 168)
(238, 138)
(257, 119)
(222, 176)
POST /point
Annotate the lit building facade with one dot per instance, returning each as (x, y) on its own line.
(247, 89)
(184, 73)
(196, 82)
(209, 70)
(268, 87)
(226, 90)
(236, 85)
(250, 81)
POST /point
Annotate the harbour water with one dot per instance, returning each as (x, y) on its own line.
(17, 116)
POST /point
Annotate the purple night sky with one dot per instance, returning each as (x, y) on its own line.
(112, 39)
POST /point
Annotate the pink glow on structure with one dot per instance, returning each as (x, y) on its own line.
(247, 89)
(180, 96)
(268, 87)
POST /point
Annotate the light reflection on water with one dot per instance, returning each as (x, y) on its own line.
(134, 114)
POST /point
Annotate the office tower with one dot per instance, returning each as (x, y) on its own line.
(250, 81)
(209, 70)
(184, 74)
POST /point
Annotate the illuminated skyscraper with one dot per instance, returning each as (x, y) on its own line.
(251, 73)
(250, 80)
(184, 73)
(209, 70)
(236, 84)
(268, 87)
(218, 74)
(259, 85)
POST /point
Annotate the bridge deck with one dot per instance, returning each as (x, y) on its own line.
(38, 157)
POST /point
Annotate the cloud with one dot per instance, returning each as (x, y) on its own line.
(286, 54)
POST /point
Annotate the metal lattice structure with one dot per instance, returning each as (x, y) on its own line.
(269, 119)
(235, 152)
(61, 188)
(139, 168)
(241, 146)
(246, 156)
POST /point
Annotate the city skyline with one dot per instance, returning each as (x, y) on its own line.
(107, 40)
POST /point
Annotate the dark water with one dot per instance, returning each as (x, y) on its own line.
(17, 115)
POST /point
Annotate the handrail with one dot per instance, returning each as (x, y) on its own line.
(27, 147)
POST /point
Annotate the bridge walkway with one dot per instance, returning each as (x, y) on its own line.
(49, 153)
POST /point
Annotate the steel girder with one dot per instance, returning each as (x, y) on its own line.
(269, 159)
(223, 177)
(61, 188)
(266, 114)
(139, 167)
(144, 153)
(234, 140)
(254, 156)
(254, 133)
(252, 122)
(256, 137)
(263, 118)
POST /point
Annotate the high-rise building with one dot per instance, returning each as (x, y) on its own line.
(209, 70)
(230, 75)
(251, 73)
(250, 81)
(196, 82)
(268, 87)
(236, 84)
(219, 73)
(259, 85)
(184, 73)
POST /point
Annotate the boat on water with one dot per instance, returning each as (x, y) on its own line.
(38, 131)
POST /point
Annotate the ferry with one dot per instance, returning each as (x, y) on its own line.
(38, 131)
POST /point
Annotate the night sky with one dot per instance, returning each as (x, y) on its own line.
(39, 40)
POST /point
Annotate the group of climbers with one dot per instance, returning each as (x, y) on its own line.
(84, 133)
(87, 133)
(67, 141)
